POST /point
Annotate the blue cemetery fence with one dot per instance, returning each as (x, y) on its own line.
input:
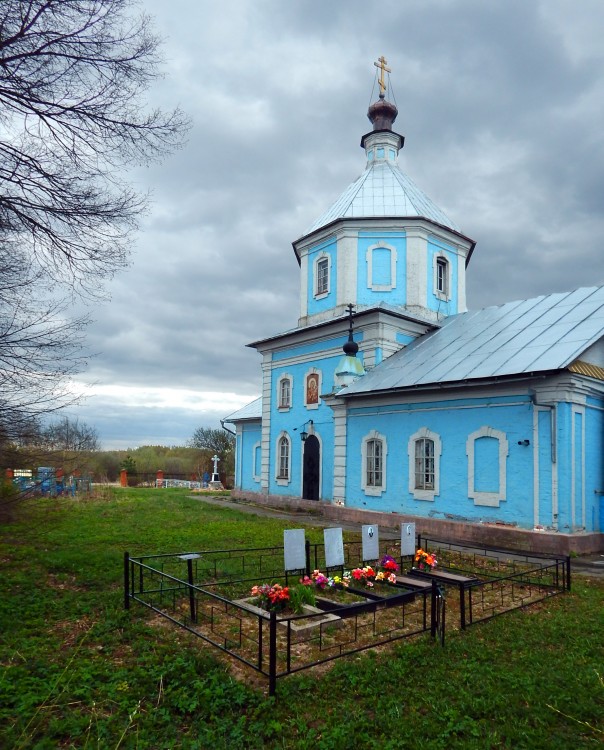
(48, 481)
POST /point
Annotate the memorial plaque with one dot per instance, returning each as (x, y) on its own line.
(294, 549)
(407, 539)
(371, 542)
(334, 548)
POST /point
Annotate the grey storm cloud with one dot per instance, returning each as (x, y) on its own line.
(501, 104)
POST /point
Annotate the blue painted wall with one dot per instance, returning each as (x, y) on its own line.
(398, 295)
(251, 433)
(454, 421)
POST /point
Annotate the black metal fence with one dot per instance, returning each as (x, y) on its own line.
(491, 581)
(208, 594)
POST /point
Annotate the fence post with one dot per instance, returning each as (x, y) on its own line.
(191, 590)
(272, 653)
(307, 546)
(462, 606)
(568, 572)
(126, 580)
(433, 610)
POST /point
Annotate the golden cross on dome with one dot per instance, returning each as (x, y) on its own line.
(381, 64)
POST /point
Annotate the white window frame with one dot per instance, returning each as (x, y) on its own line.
(370, 489)
(420, 493)
(280, 384)
(490, 499)
(321, 257)
(283, 479)
(313, 371)
(393, 261)
(440, 259)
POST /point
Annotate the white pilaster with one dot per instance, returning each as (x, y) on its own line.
(339, 453)
(304, 285)
(347, 267)
(461, 283)
(417, 268)
(266, 420)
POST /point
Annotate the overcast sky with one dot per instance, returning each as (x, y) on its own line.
(502, 107)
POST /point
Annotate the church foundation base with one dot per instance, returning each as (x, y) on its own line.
(493, 535)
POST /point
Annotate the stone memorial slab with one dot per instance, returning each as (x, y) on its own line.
(371, 542)
(407, 539)
(294, 549)
(334, 548)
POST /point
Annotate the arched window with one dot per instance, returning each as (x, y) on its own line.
(374, 463)
(442, 277)
(424, 450)
(323, 276)
(424, 464)
(322, 267)
(285, 392)
(283, 467)
(373, 451)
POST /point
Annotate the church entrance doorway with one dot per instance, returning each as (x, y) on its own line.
(312, 467)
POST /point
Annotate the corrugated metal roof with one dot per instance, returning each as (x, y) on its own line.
(252, 410)
(584, 368)
(535, 335)
(383, 190)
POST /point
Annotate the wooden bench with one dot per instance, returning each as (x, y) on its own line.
(444, 577)
(414, 582)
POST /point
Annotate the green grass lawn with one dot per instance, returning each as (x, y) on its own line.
(77, 671)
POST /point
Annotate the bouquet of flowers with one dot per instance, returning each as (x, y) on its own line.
(322, 582)
(364, 575)
(272, 598)
(424, 560)
(389, 564)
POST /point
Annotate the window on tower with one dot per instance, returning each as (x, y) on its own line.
(442, 276)
(322, 276)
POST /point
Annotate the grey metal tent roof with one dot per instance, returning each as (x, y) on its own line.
(383, 190)
(252, 410)
(527, 336)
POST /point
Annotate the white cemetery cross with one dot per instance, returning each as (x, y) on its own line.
(407, 539)
(215, 475)
(334, 548)
(294, 549)
(371, 542)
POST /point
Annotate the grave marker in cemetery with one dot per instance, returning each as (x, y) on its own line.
(294, 549)
(407, 539)
(334, 548)
(371, 542)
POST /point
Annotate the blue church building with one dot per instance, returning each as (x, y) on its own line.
(390, 396)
